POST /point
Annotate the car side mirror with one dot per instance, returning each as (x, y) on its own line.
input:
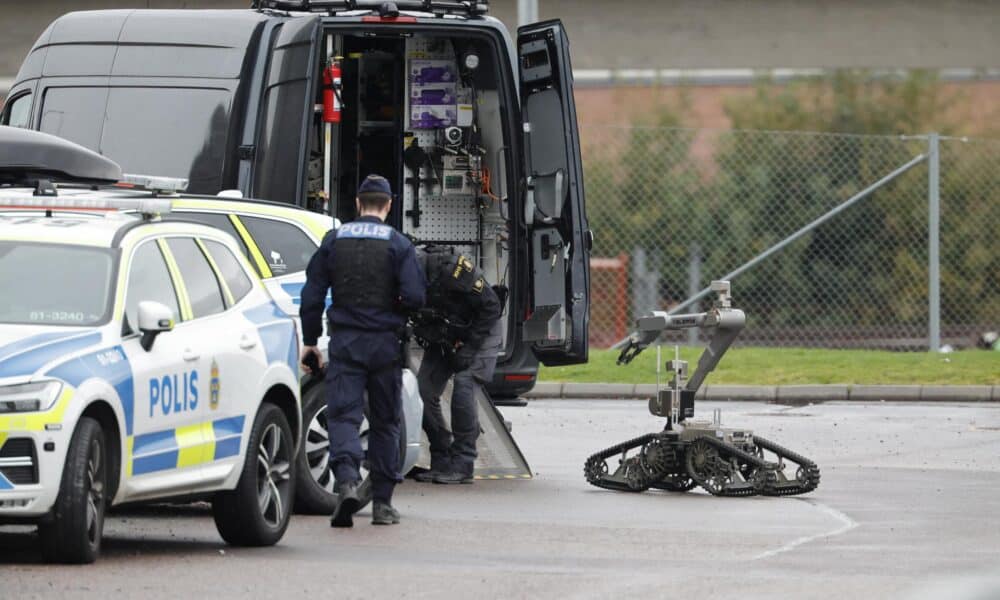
(154, 319)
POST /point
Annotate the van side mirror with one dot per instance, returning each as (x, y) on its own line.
(154, 319)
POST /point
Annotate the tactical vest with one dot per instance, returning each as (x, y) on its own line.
(362, 271)
(450, 277)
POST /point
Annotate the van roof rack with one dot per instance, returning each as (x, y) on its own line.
(468, 8)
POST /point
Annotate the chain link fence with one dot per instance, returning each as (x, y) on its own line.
(673, 209)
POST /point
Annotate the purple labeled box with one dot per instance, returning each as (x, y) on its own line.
(432, 95)
(424, 71)
(433, 116)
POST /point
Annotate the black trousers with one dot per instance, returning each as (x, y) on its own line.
(365, 361)
(455, 450)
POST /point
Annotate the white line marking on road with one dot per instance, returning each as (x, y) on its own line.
(846, 524)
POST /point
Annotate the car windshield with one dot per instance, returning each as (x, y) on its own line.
(54, 284)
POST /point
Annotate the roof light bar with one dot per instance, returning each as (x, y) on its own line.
(155, 183)
(146, 206)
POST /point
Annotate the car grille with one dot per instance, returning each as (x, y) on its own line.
(19, 462)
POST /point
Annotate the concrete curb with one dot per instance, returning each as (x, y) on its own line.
(780, 393)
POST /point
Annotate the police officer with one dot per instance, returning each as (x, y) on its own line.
(461, 331)
(374, 279)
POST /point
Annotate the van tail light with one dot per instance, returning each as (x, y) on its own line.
(517, 377)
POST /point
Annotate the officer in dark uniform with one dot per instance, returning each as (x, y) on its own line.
(374, 280)
(461, 331)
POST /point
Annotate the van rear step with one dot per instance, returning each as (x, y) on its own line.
(500, 458)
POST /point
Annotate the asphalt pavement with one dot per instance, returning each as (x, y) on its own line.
(907, 508)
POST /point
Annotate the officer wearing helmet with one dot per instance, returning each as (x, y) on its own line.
(460, 330)
(374, 280)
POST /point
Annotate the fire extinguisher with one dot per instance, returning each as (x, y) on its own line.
(331, 92)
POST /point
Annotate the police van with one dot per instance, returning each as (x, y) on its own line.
(140, 359)
(297, 100)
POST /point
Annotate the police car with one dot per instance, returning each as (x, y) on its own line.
(279, 239)
(140, 359)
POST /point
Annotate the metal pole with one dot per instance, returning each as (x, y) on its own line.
(801, 232)
(694, 284)
(527, 12)
(934, 242)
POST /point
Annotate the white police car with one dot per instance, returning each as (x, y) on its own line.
(140, 360)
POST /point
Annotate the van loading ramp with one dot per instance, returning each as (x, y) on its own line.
(499, 458)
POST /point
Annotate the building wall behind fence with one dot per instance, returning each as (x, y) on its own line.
(713, 200)
(683, 34)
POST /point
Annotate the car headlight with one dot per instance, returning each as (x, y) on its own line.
(29, 397)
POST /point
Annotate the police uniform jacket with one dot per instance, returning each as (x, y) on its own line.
(372, 274)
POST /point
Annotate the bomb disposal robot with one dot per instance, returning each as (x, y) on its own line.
(688, 453)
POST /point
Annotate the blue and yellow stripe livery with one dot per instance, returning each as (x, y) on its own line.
(187, 446)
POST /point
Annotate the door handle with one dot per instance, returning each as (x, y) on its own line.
(247, 342)
(190, 356)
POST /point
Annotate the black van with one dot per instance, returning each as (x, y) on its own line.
(294, 101)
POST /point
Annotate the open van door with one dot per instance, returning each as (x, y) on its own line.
(554, 210)
(281, 155)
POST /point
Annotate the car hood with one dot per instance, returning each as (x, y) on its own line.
(26, 349)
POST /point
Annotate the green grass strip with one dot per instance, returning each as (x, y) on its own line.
(788, 366)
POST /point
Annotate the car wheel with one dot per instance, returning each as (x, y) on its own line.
(74, 534)
(314, 487)
(256, 513)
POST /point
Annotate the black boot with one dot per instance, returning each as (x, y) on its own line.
(384, 514)
(438, 467)
(426, 476)
(455, 477)
(347, 504)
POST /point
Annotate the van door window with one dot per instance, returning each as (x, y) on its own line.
(146, 133)
(285, 247)
(199, 279)
(18, 112)
(75, 114)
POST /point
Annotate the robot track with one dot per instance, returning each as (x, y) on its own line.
(666, 462)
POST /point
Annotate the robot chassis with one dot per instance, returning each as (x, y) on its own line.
(687, 453)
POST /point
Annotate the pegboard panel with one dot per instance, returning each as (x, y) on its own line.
(446, 218)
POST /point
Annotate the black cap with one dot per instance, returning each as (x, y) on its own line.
(375, 184)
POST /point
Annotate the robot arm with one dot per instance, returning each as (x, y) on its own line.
(723, 321)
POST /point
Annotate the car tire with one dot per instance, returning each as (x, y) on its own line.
(74, 533)
(314, 488)
(256, 513)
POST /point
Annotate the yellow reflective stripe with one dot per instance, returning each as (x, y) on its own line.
(189, 442)
(3, 438)
(195, 444)
(258, 258)
(218, 273)
(175, 273)
(208, 443)
(38, 421)
(122, 276)
(129, 451)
